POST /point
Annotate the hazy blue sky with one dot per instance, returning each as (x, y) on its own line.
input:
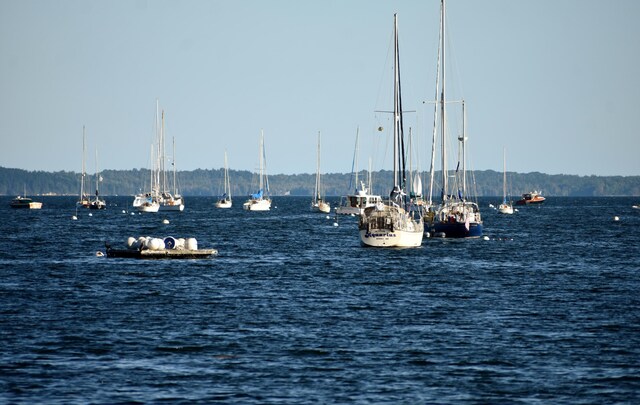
(556, 82)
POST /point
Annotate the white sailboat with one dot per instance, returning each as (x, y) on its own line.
(260, 200)
(83, 199)
(225, 200)
(361, 199)
(456, 216)
(318, 203)
(149, 201)
(392, 224)
(170, 201)
(507, 206)
(97, 203)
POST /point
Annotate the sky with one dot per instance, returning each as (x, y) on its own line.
(554, 82)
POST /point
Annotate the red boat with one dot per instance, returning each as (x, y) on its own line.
(533, 197)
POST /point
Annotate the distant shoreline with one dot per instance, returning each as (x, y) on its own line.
(208, 182)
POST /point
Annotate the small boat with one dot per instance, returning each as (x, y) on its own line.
(25, 202)
(507, 206)
(260, 200)
(169, 201)
(225, 200)
(534, 197)
(356, 203)
(318, 203)
(636, 207)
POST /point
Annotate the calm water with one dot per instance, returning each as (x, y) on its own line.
(293, 310)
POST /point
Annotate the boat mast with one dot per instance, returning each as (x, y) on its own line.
(260, 159)
(396, 116)
(317, 192)
(463, 142)
(227, 185)
(435, 124)
(84, 170)
(504, 175)
(173, 163)
(445, 185)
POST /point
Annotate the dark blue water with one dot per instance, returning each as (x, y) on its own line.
(293, 310)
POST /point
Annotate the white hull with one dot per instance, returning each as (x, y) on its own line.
(171, 207)
(321, 207)
(224, 204)
(505, 209)
(386, 238)
(257, 205)
(152, 207)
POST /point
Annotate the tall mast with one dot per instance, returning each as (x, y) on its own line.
(504, 175)
(396, 108)
(435, 124)
(463, 141)
(317, 193)
(173, 163)
(445, 185)
(84, 170)
(260, 159)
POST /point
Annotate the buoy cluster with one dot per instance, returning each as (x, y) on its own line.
(168, 243)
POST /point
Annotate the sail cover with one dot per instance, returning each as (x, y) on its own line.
(257, 195)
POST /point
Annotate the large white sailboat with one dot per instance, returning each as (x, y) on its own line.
(225, 200)
(318, 203)
(507, 206)
(456, 216)
(392, 223)
(260, 201)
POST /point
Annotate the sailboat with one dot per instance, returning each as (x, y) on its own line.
(83, 199)
(318, 203)
(149, 201)
(170, 201)
(391, 223)
(97, 203)
(260, 200)
(456, 216)
(225, 200)
(361, 199)
(507, 206)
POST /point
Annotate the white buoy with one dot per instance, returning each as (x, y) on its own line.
(616, 218)
(90, 214)
(486, 237)
(99, 254)
(165, 221)
(335, 224)
(124, 212)
(74, 218)
(328, 217)
(191, 244)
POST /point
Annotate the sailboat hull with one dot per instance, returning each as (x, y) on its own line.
(224, 204)
(457, 229)
(257, 205)
(388, 238)
(389, 226)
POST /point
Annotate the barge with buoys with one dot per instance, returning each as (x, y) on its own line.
(146, 247)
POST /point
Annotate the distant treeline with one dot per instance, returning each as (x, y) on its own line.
(209, 183)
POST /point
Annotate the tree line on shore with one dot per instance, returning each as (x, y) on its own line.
(208, 182)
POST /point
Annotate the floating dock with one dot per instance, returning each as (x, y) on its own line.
(161, 254)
